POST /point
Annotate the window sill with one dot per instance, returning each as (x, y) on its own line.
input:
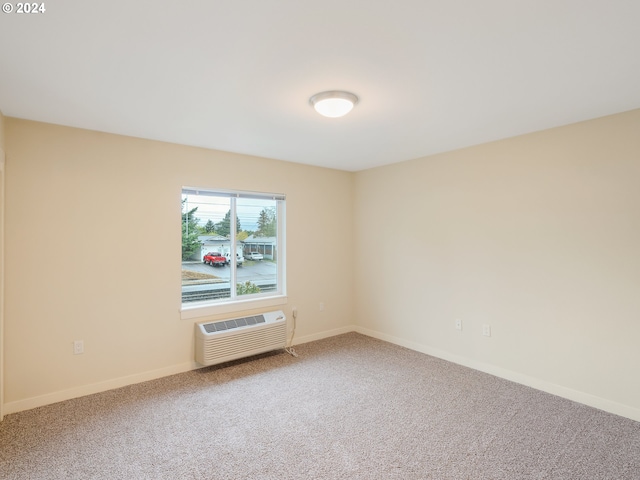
(204, 310)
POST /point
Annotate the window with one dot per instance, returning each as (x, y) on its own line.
(218, 252)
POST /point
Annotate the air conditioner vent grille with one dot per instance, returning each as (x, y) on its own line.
(230, 339)
(231, 324)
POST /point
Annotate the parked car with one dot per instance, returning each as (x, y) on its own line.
(254, 256)
(239, 258)
(215, 259)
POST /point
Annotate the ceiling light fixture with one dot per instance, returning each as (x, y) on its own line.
(333, 104)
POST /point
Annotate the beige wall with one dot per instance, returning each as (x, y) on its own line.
(1, 131)
(2, 163)
(92, 253)
(538, 236)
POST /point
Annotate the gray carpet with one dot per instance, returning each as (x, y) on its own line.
(350, 407)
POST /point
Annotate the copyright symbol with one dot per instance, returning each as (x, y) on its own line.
(7, 8)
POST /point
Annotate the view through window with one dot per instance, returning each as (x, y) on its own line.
(218, 252)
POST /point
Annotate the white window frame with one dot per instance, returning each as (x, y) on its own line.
(245, 302)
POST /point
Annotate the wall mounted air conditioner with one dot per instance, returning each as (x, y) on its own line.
(226, 340)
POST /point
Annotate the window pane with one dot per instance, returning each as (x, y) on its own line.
(257, 241)
(205, 247)
(231, 239)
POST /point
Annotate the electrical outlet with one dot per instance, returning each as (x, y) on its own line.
(294, 312)
(486, 330)
(458, 324)
(78, 347)
(321, 306)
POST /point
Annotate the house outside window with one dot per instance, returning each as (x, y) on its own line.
(229, 265)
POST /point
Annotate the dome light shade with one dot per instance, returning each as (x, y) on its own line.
(333, 104)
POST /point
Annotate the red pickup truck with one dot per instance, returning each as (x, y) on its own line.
(215, 259)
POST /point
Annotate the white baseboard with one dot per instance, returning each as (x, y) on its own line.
(570, 394)
(325, 334)
(564, 392)
(49, 398)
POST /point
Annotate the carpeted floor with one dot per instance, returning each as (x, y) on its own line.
(350, 407)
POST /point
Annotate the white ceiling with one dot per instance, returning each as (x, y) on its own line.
(236, 75)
